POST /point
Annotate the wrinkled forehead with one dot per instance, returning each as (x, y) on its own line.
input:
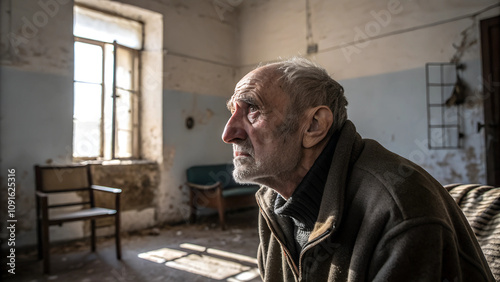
(261, 86)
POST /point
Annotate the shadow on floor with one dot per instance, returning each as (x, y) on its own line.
(196, 252)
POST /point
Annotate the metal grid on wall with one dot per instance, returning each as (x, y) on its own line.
(443, 121)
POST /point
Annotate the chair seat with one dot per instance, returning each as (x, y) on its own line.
(81, 214)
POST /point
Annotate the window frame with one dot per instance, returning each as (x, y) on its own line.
(135, 105)
(101, 124)
(135, 115)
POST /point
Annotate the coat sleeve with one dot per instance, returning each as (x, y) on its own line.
(425, 252)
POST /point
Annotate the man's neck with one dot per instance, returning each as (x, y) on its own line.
(286, 183)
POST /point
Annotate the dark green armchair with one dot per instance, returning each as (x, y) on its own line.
(213, 186)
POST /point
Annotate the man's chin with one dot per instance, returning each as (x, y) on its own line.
(242, 175)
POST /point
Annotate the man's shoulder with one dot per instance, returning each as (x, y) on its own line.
(390, 168)
(409, 188)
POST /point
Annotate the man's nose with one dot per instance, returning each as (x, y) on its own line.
(234, 130)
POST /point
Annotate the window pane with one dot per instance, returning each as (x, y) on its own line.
(124, 68)
(88, 62)
(124, 144)
(87, 120)
(87, 104)
(124, 110)
(103, 27)
(124, 124)
(86, 139)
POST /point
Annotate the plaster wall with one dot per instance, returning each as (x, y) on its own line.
(185, 147)
(391, 108)
(36, 104)
(197, 54)
(378, 51)
(348, 33)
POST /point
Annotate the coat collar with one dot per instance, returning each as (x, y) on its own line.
(348, 149)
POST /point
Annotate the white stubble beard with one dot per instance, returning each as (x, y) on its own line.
(277, 165)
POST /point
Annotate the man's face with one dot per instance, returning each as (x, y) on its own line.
(264, 145)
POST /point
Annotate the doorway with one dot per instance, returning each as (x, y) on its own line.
(490, 46)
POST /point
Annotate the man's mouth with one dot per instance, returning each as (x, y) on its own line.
(242, 151)
(241, 154)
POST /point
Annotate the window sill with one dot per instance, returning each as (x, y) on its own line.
(117, 162)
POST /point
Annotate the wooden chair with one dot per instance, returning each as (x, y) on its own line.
(213, 186)
(52, 180)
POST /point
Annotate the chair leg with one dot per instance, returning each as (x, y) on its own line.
(45, 248)
(39, 239)
(222, 217)
(92, 235)
(117, 237)
(192, 200)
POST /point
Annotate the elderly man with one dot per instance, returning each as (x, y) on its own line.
(334, 206)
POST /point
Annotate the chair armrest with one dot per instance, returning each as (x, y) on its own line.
(40, 194)
(106, 189)
(204, 187)
(115, 191)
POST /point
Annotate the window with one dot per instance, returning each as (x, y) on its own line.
(106, 85)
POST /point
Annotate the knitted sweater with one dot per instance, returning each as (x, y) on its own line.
(381, 218)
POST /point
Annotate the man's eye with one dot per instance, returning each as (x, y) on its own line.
(252, 108)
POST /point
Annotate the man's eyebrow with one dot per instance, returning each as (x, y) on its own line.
(229, 104)
(243, 98)
(247, 99)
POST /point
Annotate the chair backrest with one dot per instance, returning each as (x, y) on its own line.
(51, 179)
(209, 174)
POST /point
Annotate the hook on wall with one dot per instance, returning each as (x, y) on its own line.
(189, 122)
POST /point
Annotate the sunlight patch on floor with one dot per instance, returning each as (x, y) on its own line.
(162, 255)
(209, 262)
(208, 266)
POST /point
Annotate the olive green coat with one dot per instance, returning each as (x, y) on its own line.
(382, 218)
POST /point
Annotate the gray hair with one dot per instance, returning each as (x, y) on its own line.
(310, 85)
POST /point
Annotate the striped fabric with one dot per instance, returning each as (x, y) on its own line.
(481, 206)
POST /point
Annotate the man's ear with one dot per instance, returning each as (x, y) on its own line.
(320, 119)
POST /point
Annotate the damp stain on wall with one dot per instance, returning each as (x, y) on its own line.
(139, 184)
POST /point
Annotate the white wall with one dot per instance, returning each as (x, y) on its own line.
(378, 51)
(36, 106)
(36, 88)
(185, 147)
